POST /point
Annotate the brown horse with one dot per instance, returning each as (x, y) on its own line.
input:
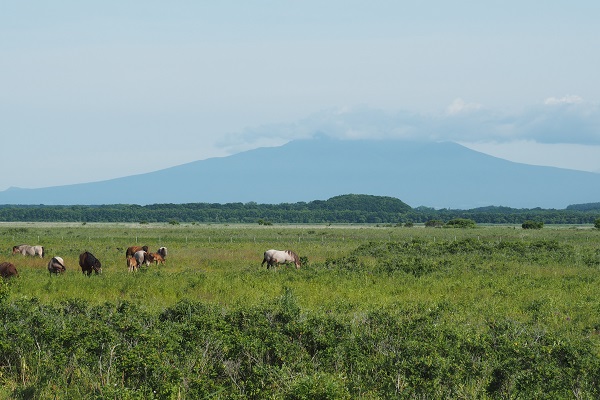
(132, 264)
(134, 249)
(8, 270)
(156, 258)
(89, 263)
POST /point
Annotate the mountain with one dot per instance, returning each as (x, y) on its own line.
(439, 175)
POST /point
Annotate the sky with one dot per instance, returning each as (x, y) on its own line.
(91, 91)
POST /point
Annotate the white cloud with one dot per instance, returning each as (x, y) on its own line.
(570, 156)
(459, 106)
(568, 99)
(577, 123)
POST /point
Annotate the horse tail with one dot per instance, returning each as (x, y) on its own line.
(43, 252)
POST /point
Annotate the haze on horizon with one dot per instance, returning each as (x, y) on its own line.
(94, 91)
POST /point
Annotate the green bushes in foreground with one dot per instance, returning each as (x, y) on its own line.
(192, 350)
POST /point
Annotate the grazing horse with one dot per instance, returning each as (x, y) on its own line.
(8, 270)
(132, 264)
(28, 250)
(133, 249)
(274, 257)
(156, 258)
(56, 265)
(141, 257)
(89, 263)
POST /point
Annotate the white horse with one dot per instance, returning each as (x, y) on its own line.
(28, 250)
(141, 257)
(56, 265)
(274, 257)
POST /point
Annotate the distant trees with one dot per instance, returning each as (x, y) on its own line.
(453, 223)
(352, 208)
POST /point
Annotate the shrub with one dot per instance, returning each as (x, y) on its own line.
(461, 223)
(317, 386)
(532, 224)
(434, 223)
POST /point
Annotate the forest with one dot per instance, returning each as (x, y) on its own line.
(350, 208)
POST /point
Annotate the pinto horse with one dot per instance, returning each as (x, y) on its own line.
(274, 257)
(141, 257)
(28, 250)
(56, 265)
(162, 251)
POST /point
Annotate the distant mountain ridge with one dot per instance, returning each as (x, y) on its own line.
(439, 175)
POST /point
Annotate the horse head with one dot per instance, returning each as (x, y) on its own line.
(97, 267)
(297, 261)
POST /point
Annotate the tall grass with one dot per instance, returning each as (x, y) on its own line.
(222, 264)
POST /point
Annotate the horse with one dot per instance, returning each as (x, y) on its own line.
(274, 257)
(141, 257)
(28, 250)
(132, 264)
(8, 270)
(133, 249)
(156, 258)
(89, 263)
(56, 265)
(163, 252)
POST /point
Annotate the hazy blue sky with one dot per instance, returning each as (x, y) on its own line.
(97, 90)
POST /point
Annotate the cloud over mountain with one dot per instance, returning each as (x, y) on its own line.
(567, 119)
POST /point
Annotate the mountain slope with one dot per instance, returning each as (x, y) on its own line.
(432, 174)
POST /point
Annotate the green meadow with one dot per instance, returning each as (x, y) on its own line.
(375, 312)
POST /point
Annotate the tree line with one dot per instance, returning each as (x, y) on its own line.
(351, 208)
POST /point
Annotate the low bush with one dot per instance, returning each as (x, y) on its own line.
(532, 224)
(192, 350)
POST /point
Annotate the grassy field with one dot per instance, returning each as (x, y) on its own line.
(375, 312)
